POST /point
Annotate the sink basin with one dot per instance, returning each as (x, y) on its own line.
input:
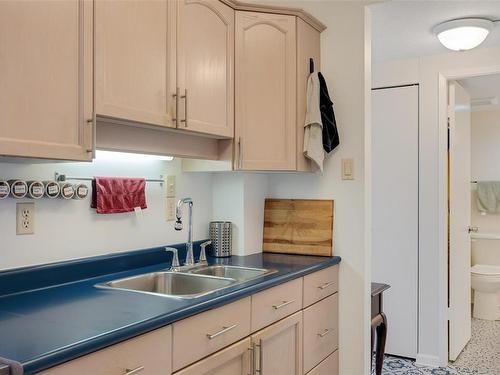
(240, 274)
(172, 284)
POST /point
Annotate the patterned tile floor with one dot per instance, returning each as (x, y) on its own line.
(480, 357)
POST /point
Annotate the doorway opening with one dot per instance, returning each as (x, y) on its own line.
(473, 222)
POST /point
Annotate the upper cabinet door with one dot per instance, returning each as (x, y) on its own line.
(46, 79)
(265, 91)
(135, 60)
(205, 69)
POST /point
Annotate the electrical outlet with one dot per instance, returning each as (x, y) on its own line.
(170, 193)
(170, 209)
(25, 218)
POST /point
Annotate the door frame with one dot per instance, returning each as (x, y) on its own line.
(444, 78)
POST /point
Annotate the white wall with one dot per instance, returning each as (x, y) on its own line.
(432, 197)
(71, 229)
(239, 198)
(485, 149)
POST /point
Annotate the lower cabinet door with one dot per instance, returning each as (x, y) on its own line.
(278, 348)
(329, 366)
(234, 360)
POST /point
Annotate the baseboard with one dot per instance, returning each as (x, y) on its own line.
(428, 360)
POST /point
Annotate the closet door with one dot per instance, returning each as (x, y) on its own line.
(206, 67)
(46, 79)
(395, 211)
(265, 81)
(135, 60)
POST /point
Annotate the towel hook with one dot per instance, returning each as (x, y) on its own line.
(311, 65)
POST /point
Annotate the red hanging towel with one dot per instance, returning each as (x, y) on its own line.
(111, 195)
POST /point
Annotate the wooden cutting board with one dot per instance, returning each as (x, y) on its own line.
(298, 226)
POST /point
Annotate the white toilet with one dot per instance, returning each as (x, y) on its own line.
(485, 281)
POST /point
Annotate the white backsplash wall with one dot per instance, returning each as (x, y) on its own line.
(71, 229)
(485, 149)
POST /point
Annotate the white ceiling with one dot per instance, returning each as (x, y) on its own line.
(403, 29)
(483, 87)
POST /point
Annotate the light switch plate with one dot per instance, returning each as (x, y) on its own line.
(25, 218)
(347, 169)
(170, 209)
(170, 189)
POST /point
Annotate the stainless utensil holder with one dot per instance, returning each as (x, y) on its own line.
(221, 237)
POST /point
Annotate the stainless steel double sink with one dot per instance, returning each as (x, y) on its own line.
(193, 283)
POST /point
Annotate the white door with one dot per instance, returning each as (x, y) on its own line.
(460, 219)
(395, 212)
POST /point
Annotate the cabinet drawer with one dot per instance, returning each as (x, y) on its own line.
(320, 284)
(276, 303)
(330, 366)
(320, 331)
(152, 351)
(205, 333)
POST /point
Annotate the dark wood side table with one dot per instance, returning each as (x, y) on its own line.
(379, 325)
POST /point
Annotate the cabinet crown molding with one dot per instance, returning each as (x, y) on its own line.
(301, 13)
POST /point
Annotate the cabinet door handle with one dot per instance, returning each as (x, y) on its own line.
(324, 333)
(133, 371)
(93, 123)
(239, 153)
(326, 285)
(252, 359)
(285, 303)
(221, 332)
(257, 368)
(185, 97)
(176, 96)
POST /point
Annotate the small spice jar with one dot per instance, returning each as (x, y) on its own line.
(81, 191)
(4, 189)
(36, 189)
(18, 188)
(51, 189)
(66, 190)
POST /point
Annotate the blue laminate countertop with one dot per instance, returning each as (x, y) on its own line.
(42, 327)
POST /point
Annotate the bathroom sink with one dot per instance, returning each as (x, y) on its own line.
(172, 284)
(240, 274)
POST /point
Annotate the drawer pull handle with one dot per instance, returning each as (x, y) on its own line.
(222, 331)
(285, 303)
(326, 285)
(324, 333)
(134, 371)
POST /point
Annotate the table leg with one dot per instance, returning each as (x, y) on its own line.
(381, 337)
(372, 344)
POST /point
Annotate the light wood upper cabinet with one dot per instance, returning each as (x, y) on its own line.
(205, 71)
(46, 79)
(135, 60)
(265, 81)
(278, 348)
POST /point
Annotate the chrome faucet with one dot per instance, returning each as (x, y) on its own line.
(178, 226)
(175, 258)
(203, 254)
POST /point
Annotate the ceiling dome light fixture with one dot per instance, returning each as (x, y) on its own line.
(463, 34)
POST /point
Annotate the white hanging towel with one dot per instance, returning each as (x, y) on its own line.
(313, 127)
